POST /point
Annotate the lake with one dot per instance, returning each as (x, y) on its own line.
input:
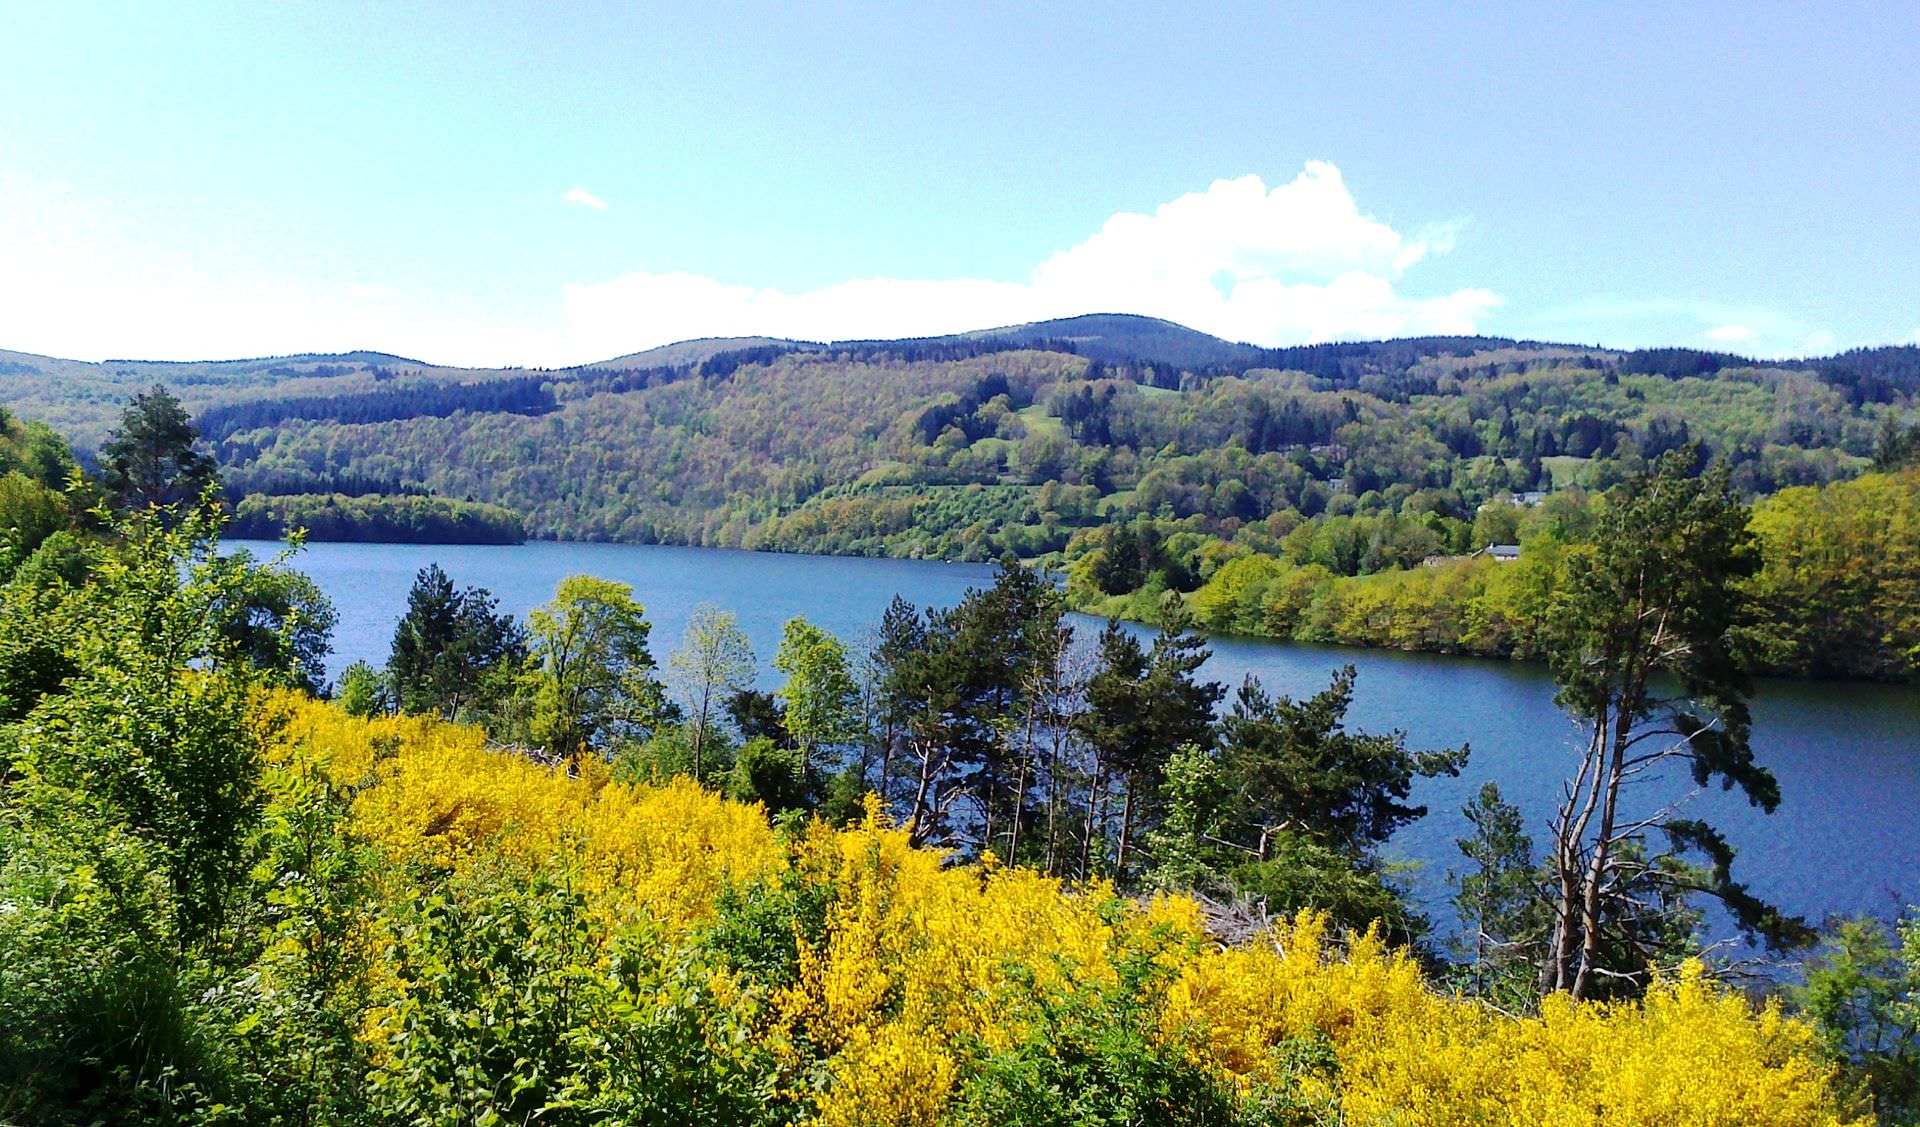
(1846, 838)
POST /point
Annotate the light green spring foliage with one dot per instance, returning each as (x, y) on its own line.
(591, 673)
(130, 824)
(821, 697)
(714, 662)
(1837, 593)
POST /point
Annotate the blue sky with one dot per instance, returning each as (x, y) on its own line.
(545, 184)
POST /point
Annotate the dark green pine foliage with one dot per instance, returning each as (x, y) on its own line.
(1295, 768)
(451, 650)
(151, 459)
(1144, 704)
(1498, 898)
(1648, 650)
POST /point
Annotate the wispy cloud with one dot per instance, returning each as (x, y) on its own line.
(1640, 322)
(584, 198)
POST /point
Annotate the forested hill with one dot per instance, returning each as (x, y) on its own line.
(1009, 439)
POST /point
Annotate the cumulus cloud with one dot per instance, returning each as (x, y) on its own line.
(1296, 263)
(1292, 263)
(1730, 334)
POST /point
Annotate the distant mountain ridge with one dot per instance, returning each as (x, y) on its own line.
(81, 398)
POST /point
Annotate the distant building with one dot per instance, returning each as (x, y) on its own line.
(1500, 553)
(1336, 485)
(1529, 499)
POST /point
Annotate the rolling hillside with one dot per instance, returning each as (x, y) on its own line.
(1007, 439)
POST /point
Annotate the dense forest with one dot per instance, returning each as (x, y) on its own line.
(984, 873)
(403, 519)
(1136, 455)
(1837, 595)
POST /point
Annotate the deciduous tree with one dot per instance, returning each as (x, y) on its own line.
(714, 662)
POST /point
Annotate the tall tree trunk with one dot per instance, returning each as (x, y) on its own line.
(1126, 830)
(1569, 832)
(887, 735)
(1053, 805)
(928, 770)
(1093, 817)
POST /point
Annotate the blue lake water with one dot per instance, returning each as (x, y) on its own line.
(1845, 840)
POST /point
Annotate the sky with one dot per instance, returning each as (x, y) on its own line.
(544, 185)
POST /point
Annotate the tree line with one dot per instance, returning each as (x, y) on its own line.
(199, 912)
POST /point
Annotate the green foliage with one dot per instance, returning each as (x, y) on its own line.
(1288, 813)
(452, 652)
(364, 690)
(1299, 872)
(523, 1010)
(713, 664)
(759, 928)
(1863, 994)
(591, 676)
(1654, 601)
(1838, 592)
(1092, 1059)
(778, 777)
(132, 824)
(403, 519)
(282, 619)
(821, 700)
(1294, 765)
(1499, 898)
(151, 458)
(30, 513)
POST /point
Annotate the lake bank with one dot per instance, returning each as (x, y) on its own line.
(1847, 755)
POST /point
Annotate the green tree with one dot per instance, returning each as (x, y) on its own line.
(30, 513)
(281, 620)
(451, 650)
(129, 823)
(1294, 766)
(714, 662)
(1290, 812)
(150, 459)
(1654, 601)
(1143, 704)
(590, 673)
(1863, 994)
(780, 778)
(1499, 899)
(822, 702)
(363, 690)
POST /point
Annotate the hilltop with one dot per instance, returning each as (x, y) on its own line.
(1007, 439)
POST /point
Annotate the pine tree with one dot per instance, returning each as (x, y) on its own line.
(151, 459)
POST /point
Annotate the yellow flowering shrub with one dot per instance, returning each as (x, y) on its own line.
(433, 791)
(924, 969)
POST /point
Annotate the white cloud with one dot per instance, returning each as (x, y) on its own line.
(1296, 263)
(1615, 322)
(1819, 342)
